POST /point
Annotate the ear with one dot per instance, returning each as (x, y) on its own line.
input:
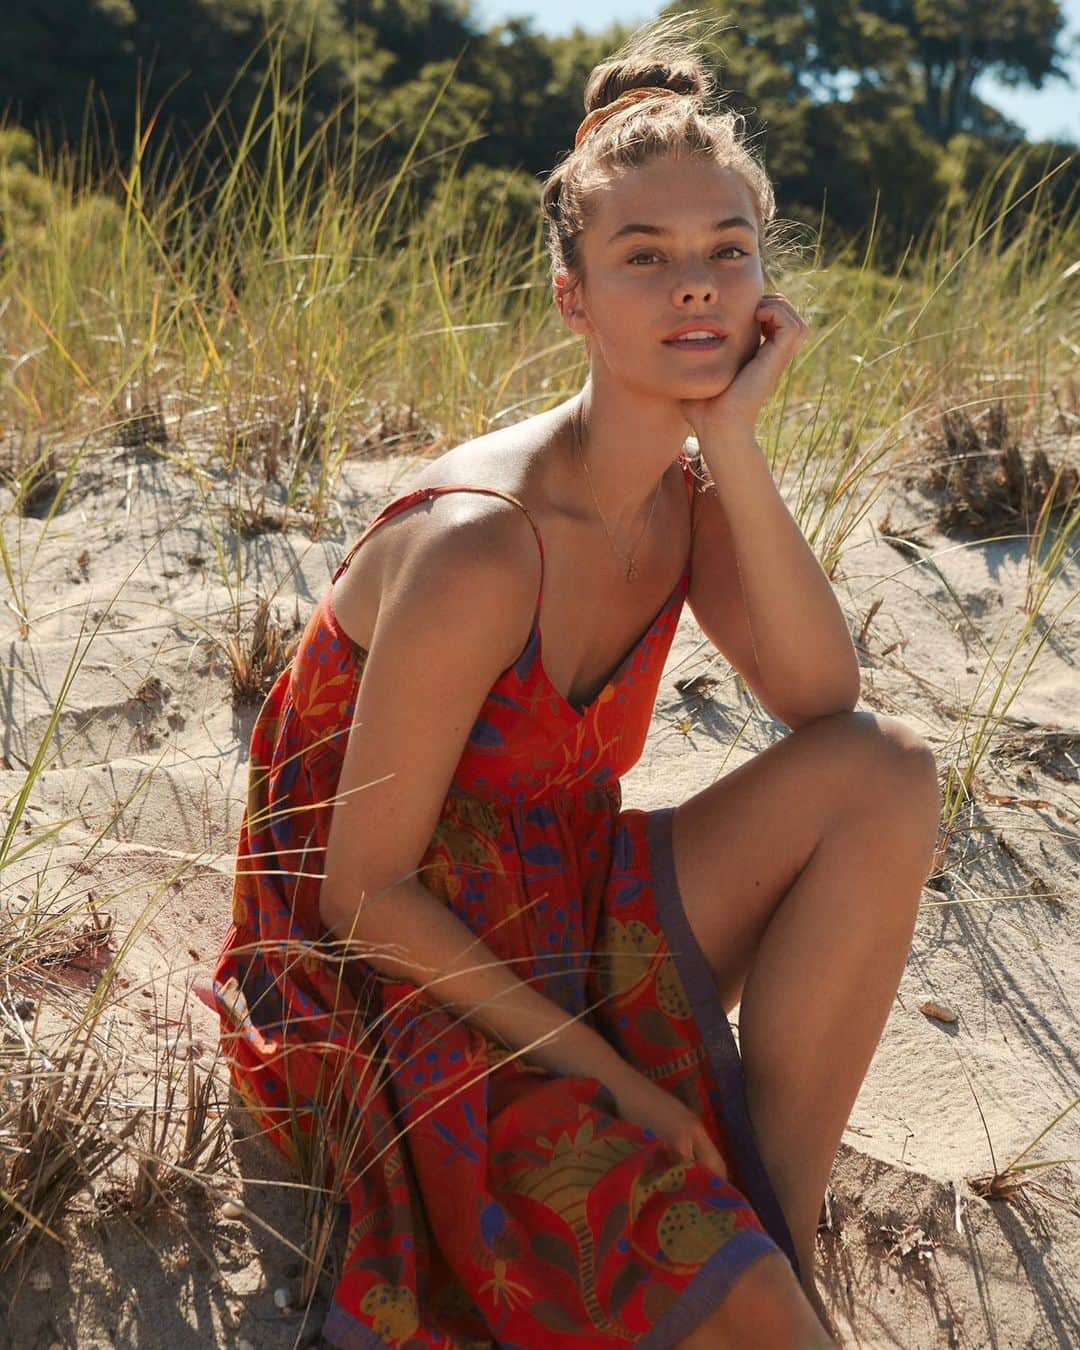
(568, 302)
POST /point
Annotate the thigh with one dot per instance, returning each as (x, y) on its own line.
(740, 843)
(764, 1308)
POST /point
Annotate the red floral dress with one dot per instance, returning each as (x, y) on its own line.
(491, 1202)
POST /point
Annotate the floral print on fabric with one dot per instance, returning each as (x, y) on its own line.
(490, 1201)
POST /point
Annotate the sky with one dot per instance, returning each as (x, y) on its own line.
(1044, 113)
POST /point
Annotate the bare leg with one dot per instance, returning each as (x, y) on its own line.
(764, 1309)
(820, 989)
(801, 873)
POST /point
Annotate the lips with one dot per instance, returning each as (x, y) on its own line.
(691, 345)
(694, 331)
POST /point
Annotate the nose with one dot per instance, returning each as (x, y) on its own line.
(694, 283)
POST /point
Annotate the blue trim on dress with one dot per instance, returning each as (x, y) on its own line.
(704, 1292)
(719, 1041)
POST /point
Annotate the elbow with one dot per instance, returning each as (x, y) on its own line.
(839, 699)
(339, 914)
(849, 693)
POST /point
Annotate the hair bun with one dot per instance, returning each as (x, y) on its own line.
(624, 101)
(679, 75)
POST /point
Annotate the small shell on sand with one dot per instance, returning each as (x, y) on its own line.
(232, 1209)
(937, 1011)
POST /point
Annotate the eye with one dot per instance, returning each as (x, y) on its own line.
(723, 248)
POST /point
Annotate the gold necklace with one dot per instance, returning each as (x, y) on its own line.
(631, 569)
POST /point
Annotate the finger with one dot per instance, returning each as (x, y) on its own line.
(780, 303)
(718, 1164)
(710, 1155)
(786, 327)
(779, 313)
(685, 1146)
(684, 1150)
(707, 1152)
(781, 337)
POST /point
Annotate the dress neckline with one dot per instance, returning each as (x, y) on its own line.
(535, 635)
(619, 670)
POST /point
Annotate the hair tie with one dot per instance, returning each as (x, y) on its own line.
(626, 100)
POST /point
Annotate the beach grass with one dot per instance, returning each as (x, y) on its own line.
(316, 315)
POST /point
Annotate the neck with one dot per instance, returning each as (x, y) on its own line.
(628, 444)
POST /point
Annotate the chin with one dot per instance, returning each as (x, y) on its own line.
(707, 385)
(702, 384)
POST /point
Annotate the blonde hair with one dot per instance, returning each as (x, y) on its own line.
(624, 131)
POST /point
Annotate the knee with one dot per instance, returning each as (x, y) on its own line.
(765, 1308)
(907, 770)
(888, 764)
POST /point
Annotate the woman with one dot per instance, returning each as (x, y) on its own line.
(490, 997)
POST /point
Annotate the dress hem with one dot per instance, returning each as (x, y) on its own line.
(723, 1053)
(693, 1305)
(706, 1290)
(344, 1332)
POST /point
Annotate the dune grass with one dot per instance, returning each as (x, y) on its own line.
(316, 314)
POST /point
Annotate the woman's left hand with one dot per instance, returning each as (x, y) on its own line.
(736, 409)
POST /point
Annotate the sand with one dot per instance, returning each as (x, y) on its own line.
(144, 790)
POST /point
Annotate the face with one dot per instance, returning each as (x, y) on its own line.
(697, 263)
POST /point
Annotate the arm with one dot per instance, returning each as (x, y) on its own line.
(451, 619)
(444, 957)
(757, 589)
(761, 596)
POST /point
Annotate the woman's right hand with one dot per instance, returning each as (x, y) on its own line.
(640, 1100)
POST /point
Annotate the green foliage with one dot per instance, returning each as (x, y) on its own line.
(509, 212)
(951, 43)
(865, 150)
(17, 147)
(861, 107)
(26, 198)
(859, 102)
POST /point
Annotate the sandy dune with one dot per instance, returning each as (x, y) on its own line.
(146, 784)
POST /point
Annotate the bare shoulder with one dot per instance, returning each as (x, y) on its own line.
(451, 615)
(455, 549)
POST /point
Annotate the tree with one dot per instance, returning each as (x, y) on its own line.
(53, 51)
(418, 32)
(202, 54)
(947, 45)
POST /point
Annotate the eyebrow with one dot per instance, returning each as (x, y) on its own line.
(636, 227)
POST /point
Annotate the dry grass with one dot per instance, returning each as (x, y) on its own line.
(31, 472)
(257, 654)
(56, 1140)
(986, 482)
(333, 349)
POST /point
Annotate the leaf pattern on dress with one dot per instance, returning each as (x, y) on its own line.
(490, 1200)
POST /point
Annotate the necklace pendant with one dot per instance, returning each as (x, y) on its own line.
(631, 571)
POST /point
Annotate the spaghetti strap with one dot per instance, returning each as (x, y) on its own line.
(409, 499)
(528, 1175)
(425, 494)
